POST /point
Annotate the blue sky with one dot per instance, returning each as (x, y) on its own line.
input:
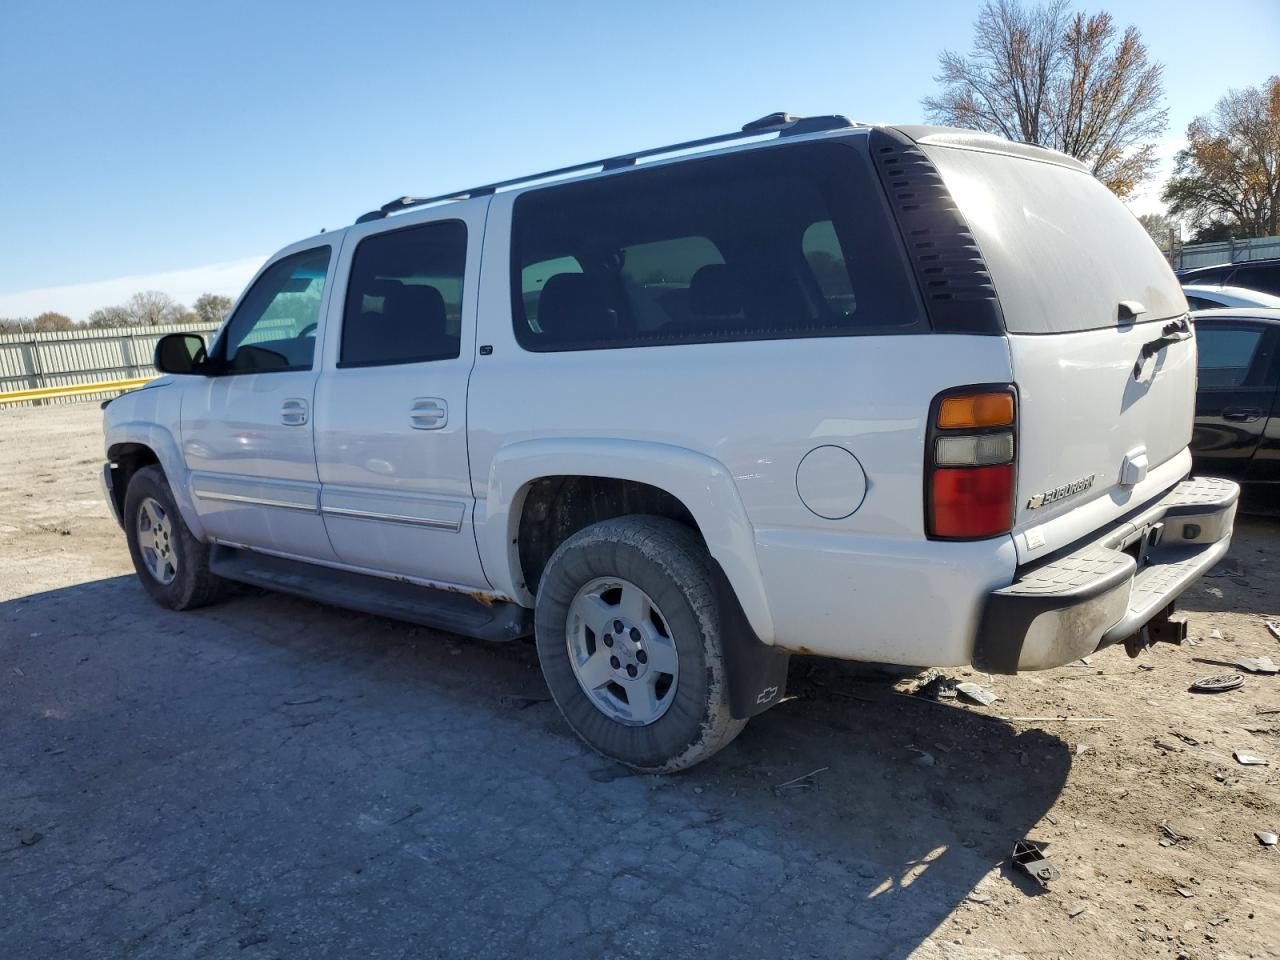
(143, 139)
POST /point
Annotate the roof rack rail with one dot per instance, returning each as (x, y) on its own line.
(784, 124)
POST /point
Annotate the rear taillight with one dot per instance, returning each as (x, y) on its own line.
(970, 476)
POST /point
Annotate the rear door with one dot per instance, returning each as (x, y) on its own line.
(1083, 291)
(391, 402)
(1235, 395)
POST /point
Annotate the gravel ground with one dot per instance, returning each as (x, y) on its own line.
(274, 778)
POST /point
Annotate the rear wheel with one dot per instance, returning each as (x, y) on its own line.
(171, 563)
(628, 636)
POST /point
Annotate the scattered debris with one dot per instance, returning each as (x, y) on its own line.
(1059, 719)
(1075, 911)
(1258, 665)
(1218, 684)
(1028, 856)
(806, 782)
(940, 687)
(1249, 760)
(1146, 666)
(977, 693)
(1274, 627)
(978, 898)
(1189, 741)
(302, 701)
(18, 671)
(924, 760)
(31, 839)
(1223, 779)
(1166, 747)
(615, 771)
(1215, 634)
(520, 701)
(1172, 835)
(1266, 838)
(1185, 893)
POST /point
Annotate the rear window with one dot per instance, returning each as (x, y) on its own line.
(1063, 251)
(776, 243)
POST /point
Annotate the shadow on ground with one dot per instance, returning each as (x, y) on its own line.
(271, 778)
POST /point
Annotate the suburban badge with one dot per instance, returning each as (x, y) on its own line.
(1062, 492)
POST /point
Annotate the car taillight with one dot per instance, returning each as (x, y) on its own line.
(970, 458)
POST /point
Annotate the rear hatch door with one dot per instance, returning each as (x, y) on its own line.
(1100, 429)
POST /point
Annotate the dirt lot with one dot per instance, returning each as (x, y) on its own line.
(273, 778)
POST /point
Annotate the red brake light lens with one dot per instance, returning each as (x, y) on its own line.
(972, 502)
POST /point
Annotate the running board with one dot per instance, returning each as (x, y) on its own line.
(447, 610)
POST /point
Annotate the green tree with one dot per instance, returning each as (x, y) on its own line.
(1228, 177)
(212, 307)
(1159, 227)
(1044, 75)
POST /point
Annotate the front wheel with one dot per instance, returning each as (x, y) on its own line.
(628, 636)
(171, 563)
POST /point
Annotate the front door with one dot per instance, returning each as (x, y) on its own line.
(391, 401)
(1234, 395)
(247, 430)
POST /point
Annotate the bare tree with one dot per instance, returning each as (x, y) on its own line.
(1227, 180)
(1046, 76)
(49, 320)
(110, 317)
(212, 307)
(151, 308)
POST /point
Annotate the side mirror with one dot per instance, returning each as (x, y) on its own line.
(180, 353)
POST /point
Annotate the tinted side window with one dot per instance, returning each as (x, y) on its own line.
(1226, 356)
(404, 297)
(773, 243)
(1265, 278)
(1200, 303)
(274, 328)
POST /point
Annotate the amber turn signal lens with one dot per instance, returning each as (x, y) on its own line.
(976, 410)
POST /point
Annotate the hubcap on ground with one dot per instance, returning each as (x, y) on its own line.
(155, 541)
(622, 651)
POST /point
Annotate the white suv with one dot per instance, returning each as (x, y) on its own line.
(898, 394)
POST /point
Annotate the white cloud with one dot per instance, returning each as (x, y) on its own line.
(78, 300)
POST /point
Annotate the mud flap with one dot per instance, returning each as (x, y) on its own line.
(755, 671)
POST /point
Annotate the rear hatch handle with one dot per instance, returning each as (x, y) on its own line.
(1174, 332)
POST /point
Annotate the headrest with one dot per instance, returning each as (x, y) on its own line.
(715, 292)
(576, 306)
(418, 306)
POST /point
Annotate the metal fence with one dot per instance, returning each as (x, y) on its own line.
(33, 361)
(1225, 251)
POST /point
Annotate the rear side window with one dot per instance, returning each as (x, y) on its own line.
(404, 297)
(1226, 355)
(769, 244)
(1265, 278)
(274, 328)
(1200, 303)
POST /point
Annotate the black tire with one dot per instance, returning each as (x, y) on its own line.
(193, 585)
(669, 563)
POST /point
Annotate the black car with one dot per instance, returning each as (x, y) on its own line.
(1261, 275)
(1237, 428)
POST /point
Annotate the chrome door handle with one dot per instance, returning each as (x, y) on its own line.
(293, 413)
(1242, 414)
(429, 413)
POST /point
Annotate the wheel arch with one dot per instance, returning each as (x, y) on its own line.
(663, 478)
(132, 445)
